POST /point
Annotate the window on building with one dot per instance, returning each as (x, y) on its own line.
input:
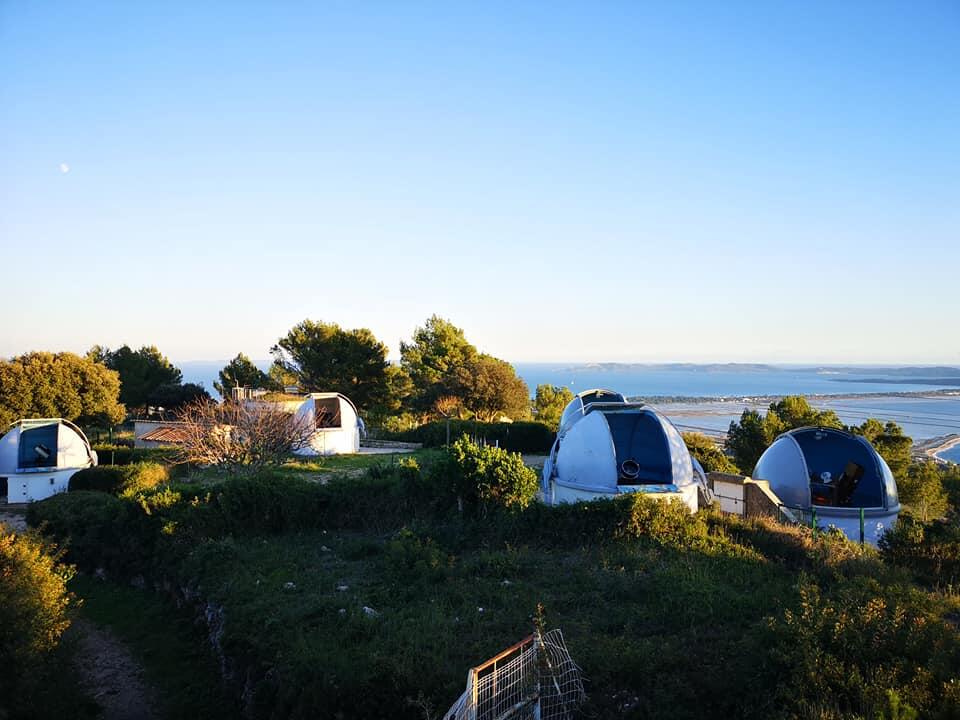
(327, 413)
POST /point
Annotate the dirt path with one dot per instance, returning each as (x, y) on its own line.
(111, 675)
(13, 520)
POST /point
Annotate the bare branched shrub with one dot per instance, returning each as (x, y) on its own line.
(235, 434)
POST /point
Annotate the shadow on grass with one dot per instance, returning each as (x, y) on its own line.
(172, 649)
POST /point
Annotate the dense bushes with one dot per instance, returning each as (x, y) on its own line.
(522, 437)
(117, 454)
(121, 479)
(33, 585)
(99, 530)
(640, 586)
(265, 504)
(866, 648)
(709, 454)
(33, 617)
(484, 476)
(930, 550)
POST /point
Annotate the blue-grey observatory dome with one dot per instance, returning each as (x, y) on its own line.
(606, 446)
(835, 473)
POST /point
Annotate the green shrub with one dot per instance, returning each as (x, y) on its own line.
(88, 524)
(930, 550)
(121, 479)
(668, 522)
(842, 652)
(115, 454)
(921, 490)
(33, 617)
(33, 585)
(630, 516)
(408, 558)
(483, 476)
(709, 454)
(267, 503)
(107, 479)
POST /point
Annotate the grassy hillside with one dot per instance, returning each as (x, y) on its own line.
(670, 615)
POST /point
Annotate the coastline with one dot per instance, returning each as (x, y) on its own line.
(665, 399)
(934, 446)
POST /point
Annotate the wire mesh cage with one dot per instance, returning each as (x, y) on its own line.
(536, 678)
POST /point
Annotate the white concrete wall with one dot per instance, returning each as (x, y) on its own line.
(28, 487)
(730, 496)
(333, 441)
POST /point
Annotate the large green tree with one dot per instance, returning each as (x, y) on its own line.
(794, 412)
(921, 489)
(445, 369)
(241, 372)
(489, 388)
(747, 439)
(890, 441)
(432, 359)
(142, 372)
(173, 396)
(43, 384)
(549, 403)
(327, 358)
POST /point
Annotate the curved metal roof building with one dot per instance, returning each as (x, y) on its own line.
(38, 457)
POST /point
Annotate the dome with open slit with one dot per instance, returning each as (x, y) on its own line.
(835, 474)
(38, 457)
(606, 446)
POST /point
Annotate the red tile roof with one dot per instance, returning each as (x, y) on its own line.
(166, 435)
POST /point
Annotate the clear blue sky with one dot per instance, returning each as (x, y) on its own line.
(768, 181)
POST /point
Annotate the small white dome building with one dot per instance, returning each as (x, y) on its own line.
(337, 422)
(38, 458)
(837, 475)
(606, 446)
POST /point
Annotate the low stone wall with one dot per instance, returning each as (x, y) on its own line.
(760, 499)
(390, 444)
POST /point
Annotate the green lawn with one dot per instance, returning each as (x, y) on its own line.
(321, 468)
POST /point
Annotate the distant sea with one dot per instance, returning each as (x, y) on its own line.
(724, 381)
(866, 391)
(857, 393)
(953, 454)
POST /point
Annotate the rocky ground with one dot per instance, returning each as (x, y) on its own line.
(111, 675)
